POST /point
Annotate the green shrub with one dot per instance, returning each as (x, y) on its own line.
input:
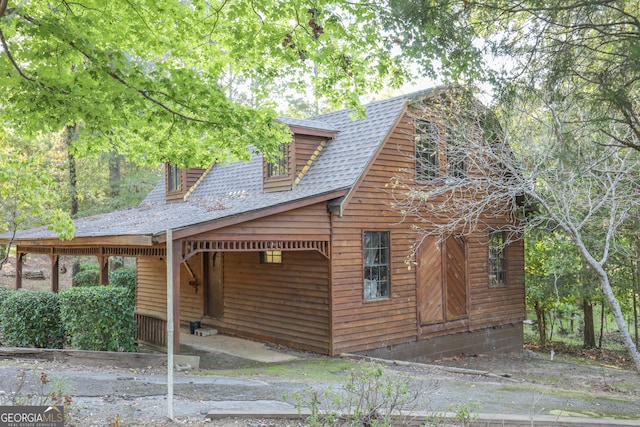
(89, 275)
(98, 318)
(4, 293)
(124, 277)
(32, 319)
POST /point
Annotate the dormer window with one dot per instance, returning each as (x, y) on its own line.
(174, 178)
(280, 165)
(285, 170)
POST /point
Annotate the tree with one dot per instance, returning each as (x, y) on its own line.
(543, 44)
(150, 81)
(28, 192)
(144, 78)
(559, 173)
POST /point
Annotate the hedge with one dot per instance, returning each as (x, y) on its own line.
(31, 319)
(124, 277)
(89, 275)
(98, 318)
(4, 293)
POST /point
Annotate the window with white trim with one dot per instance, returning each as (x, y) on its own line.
(497, 269)
(377, 256)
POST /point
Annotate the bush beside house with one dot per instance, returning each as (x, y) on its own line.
(31, 319)
(85, 317)
(98, 318)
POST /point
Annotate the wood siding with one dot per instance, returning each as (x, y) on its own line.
(188, 178)
(307, 223)
(284, 303)
(469, 303)
(151, 289)
(151, 286)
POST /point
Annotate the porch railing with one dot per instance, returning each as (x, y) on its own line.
(151, 329)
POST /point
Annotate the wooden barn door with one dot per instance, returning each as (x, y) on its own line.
(429, 282)
(456, 283)
(441, 280)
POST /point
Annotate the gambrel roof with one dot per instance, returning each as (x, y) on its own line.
(235, 190)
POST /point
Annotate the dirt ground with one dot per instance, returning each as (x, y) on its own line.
(36, 265)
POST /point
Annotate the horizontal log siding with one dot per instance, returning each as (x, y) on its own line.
(151, 289)
(284, 303)
(151, 286)
(307, 223)
(191, 303)
(359, 325)
(306, 145)
(498, 304)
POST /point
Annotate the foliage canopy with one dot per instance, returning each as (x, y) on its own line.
(144, 77)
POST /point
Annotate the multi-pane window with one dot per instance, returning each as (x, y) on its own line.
(497, 270)
(376, 265)
(271, 257)
(174, 178)
(280, 165)
(427, 136)
(457, 153)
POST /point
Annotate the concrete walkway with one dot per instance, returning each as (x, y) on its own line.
(233, 346)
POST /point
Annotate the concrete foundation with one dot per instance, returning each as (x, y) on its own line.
(495, 340)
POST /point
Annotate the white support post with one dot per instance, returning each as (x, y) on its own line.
(170, 327)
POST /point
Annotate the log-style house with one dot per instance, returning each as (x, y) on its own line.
(307, 252)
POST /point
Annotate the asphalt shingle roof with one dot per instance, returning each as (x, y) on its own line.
(234, 189)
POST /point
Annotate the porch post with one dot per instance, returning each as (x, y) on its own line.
(177, 260)
(55, 264)
(19, 256)
(104, 269)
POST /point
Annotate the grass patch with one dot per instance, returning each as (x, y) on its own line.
(568, 394)
(315, 369)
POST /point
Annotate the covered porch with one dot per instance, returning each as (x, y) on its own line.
(188, 278)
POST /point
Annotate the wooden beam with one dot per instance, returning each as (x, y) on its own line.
(55, 271)
(19, 256)
(104, 269)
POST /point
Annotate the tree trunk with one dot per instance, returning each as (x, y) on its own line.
(614, 306)
(69, 133)
(635, 315)
(601, 324)
(541, 324)
(114, 174)
(589, 334)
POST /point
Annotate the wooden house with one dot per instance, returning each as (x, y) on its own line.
(306, 252)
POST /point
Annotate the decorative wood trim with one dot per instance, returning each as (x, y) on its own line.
(192, 247)
(310, 162)
(106, 251)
